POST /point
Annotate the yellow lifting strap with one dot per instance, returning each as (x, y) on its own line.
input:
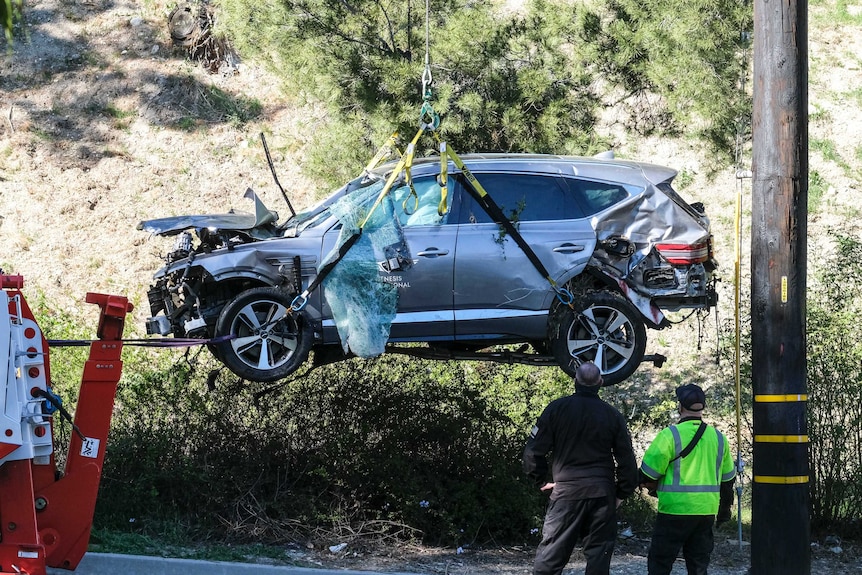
(407, 157)
(384, 152)
(408, 177)
(428, 120)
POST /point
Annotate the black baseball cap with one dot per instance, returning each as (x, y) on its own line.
(691, 397)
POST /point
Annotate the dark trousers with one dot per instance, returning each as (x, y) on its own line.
(594, 520)
(691, 533)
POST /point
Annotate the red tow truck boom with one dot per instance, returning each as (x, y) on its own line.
(46, 515)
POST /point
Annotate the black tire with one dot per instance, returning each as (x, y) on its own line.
(214, 349)
(603, 328)
(269, 342)
(184, 24)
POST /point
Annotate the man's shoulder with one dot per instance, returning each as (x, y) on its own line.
(664, 435)
(582, 401)
(695, 423)
(576, 398)
(718, 432)
(555, 405)
(559, 401)
(616, 413)
(595, 401)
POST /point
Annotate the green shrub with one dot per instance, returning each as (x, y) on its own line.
(835, 387)
(407, 447)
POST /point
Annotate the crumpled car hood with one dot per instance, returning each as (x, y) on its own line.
(240, 221)
(173, 225)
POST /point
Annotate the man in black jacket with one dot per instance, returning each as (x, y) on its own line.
(593, 470)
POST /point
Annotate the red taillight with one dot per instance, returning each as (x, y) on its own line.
(684, 254)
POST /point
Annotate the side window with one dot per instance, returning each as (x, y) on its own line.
(521, 197)
(594, 197)
(420, 209)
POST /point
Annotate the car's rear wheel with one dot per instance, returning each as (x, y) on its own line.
(601, 327)
(269, 341)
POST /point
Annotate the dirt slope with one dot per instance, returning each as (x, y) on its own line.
(90, 145)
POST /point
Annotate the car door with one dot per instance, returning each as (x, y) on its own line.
(423, 273)
(498, 292)
(425, 286)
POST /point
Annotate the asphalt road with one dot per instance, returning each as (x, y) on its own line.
(113, 564)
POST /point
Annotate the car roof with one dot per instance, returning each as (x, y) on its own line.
(595, 168)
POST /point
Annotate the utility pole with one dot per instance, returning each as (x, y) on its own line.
(781, 525)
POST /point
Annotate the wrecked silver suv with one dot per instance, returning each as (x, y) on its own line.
(610, 248)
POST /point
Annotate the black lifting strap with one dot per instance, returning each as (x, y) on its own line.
(493, 210)
(324, 271)
(691, 444)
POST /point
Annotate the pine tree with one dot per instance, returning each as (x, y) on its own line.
(533, 80)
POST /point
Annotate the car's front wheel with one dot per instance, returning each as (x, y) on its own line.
(601, 327)
(269, 340)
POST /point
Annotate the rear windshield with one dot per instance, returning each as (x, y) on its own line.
(594, 196)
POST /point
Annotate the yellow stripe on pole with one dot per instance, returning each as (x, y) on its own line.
(788, 398)
(781, 439)
(781, 479)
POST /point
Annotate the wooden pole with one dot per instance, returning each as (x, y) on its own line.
(780, 530)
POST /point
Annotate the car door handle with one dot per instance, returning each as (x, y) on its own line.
(433, 253)
(569, 248)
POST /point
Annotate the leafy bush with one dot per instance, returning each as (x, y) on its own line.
(390, 447)
(835, 387)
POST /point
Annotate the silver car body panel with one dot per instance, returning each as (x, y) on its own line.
(468, 281)
(635, 218)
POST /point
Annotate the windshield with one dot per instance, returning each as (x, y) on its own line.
(321, 210)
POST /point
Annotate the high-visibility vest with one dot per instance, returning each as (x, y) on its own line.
(689, 485)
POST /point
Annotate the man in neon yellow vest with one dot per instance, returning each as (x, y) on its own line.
(690, 467)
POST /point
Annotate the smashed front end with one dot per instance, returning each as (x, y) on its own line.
(186, 298)
(175, 306)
